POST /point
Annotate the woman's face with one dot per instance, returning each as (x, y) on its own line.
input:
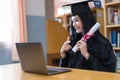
(77, 23)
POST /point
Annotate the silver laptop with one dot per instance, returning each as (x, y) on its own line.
(32, 59)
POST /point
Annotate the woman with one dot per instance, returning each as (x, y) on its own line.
(95, 54)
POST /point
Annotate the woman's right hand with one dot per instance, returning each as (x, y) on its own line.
(66, 46)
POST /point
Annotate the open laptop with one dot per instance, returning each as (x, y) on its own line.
(32, 59)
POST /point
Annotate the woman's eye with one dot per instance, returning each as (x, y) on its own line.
(76, 20)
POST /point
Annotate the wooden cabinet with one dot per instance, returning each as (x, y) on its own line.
(55, 37)
(112, 25)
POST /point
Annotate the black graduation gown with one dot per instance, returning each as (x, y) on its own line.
(102, 60)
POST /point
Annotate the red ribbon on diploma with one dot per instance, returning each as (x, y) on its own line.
(86, 37)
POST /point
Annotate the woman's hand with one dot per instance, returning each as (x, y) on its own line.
(82, 47)
(66, 46)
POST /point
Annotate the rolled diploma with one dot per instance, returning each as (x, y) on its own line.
(91, 31)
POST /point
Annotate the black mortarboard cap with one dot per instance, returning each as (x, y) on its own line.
(80, 7)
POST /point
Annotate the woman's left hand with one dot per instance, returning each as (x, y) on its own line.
(82, 47)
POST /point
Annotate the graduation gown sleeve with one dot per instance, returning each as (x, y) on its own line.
(105, 61)
(65, 62)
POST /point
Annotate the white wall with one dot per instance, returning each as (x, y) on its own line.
(35, 7)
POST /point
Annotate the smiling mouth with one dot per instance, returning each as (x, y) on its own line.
(78, 28)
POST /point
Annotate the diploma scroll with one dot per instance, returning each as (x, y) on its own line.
(87, 35)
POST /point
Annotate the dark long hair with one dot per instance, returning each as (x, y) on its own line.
(88, 20)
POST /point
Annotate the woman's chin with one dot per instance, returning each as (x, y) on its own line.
(78, 31)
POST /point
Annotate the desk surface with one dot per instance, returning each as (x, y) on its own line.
(14, 72)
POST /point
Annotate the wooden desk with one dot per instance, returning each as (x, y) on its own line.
(14, 72)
